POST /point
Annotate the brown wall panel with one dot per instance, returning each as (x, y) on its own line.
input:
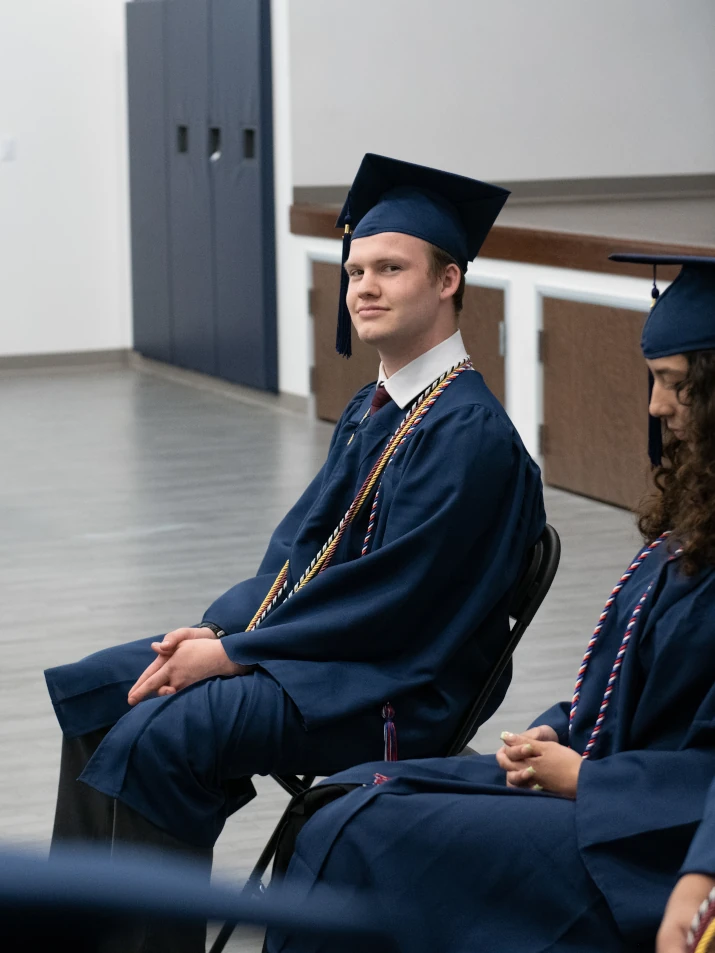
(479, 323)
(595, 401)
(336, 379)
(538, 246)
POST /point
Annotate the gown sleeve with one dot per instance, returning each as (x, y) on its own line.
(659, 778)
(557, 717)
(701, 856)
(641, 792)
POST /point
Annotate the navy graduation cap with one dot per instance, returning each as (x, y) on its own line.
(682, 319)
(450, 211)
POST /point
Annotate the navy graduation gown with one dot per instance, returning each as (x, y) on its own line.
(417, 621)
(459, 505)
(701, 856)
(468, 864)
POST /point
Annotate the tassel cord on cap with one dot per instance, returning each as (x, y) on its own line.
(654, 292)
(343, 339)
(655, 430)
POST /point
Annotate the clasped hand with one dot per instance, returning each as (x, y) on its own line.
(184, 656)
(535, 760)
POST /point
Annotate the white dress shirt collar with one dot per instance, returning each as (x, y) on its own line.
(413, 378)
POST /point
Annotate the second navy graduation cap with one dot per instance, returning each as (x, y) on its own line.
(450, 211)
(681, 320)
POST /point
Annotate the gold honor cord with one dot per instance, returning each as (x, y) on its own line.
(325, 554)
(701, 935)
(707, 942)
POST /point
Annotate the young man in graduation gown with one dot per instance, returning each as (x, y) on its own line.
(572, 837)
(380, 605)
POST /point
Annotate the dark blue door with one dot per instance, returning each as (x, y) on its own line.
(241, 168)
(146, 94)
(190, 225)
(203, 244)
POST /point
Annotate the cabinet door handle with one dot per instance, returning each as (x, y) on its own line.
(249, 143)
(182, 139)
(214, 144)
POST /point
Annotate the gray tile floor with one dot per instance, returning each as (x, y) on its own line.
(130, 498)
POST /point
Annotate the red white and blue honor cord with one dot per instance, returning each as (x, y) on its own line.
(615, 671)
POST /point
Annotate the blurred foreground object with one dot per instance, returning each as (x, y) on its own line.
(85, 902)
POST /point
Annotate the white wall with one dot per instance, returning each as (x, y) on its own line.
(499, 88)
(525, 287)
(64, 236)
(504, 89)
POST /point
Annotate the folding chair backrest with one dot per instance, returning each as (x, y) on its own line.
(529, 592)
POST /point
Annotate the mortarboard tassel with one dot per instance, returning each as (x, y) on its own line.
(343, 340)
(654, 293)
(655, 431)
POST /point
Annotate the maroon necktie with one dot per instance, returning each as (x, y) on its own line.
(379, 399)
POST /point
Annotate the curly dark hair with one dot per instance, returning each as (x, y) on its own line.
(683, 500)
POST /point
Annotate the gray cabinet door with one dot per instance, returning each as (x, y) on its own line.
(147, 175)
(241, 170)
(203, 243)
(190, 227)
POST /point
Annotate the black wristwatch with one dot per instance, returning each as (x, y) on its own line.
(217, 630)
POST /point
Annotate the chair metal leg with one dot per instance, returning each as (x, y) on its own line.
(293, 784)
(223, 937)
(253, 885)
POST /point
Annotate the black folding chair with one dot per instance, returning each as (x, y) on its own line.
(529, 592)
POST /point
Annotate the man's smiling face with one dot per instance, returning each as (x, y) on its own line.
(392, 292)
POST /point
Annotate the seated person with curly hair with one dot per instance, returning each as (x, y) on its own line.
(572, 838)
